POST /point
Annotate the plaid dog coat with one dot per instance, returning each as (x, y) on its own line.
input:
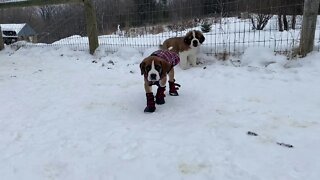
(169, 56)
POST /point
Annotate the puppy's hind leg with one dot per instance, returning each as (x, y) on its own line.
(171, 75)
(173, 87)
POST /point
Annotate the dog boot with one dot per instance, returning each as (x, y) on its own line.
(160, 95)
(151, 107)
(173, 87)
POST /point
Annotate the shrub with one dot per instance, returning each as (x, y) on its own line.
(206, 27)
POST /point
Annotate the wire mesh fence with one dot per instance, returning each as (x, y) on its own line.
(229, 26)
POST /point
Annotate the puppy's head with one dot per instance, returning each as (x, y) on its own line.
(154, 68)
(194, 38)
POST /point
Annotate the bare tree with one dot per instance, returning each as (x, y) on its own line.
(48, 12)
(293, 21)
(283, 22)
(260, 21)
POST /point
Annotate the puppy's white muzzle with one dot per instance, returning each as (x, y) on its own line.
(153, 74)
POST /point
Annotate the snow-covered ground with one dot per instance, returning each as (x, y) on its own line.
(63, 117)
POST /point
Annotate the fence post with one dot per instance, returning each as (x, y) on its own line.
(1, 40)
(91, 25)
(309, 22)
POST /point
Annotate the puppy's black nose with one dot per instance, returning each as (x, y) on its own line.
(153, 76)
(195, 43)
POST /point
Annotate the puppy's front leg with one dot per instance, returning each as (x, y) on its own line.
(193, 60)
(160, 91)
(151, 106)
(147, 87)
(163, 81)
(183, 61)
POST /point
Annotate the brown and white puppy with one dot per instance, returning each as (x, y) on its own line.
(155, 69)
(187, 47)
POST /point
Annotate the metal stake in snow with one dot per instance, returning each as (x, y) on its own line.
(1, 40)
(250, 133)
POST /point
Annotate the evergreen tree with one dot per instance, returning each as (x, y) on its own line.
(206, 27)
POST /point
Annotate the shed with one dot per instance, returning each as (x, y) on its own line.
(19, 31)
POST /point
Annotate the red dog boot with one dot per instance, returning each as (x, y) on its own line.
(160, 95)
(151, 107)
(173, 87)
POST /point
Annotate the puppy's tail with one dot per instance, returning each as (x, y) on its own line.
(164, 47)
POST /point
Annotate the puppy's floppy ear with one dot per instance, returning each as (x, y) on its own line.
(201, 39)
(187, 40)
(142, 67)
(166, 67)
(200, 36)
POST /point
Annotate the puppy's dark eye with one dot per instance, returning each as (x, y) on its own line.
(148, 68)
(158, 68)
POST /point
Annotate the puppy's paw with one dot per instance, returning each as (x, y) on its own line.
(174, 93)
(149, 109)
(160, 101)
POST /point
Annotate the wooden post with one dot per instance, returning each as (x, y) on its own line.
(91, 25)
(1, 40)
(309, 22)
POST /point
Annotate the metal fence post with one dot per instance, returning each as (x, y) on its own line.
(309, 22)
(1, 40)
(91, 25)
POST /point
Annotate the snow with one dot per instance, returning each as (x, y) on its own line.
(12, 27)
(63, 117)
(10, 1)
